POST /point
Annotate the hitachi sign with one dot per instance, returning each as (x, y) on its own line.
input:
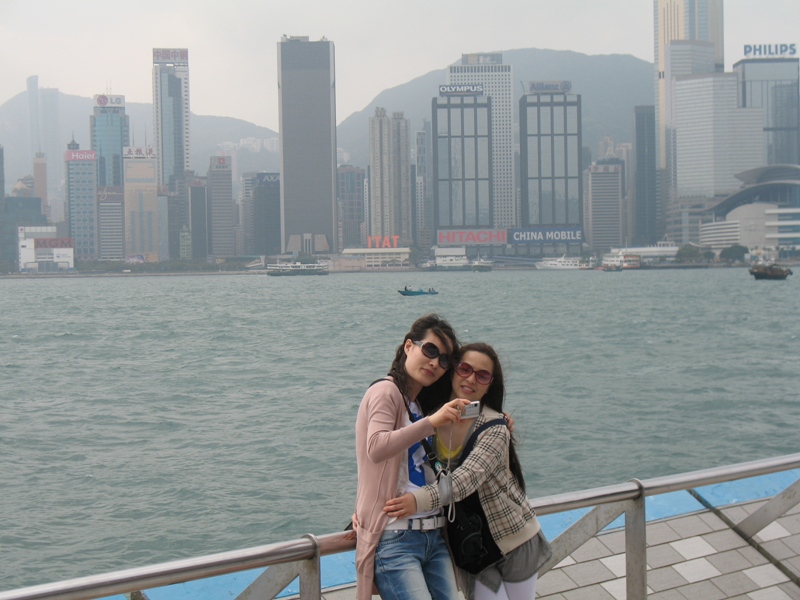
(753, 50)
(461, 90)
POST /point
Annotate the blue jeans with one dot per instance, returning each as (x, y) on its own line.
(414, 565)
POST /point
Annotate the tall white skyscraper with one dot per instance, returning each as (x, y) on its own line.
(700, 20)
(497, 80)
(390, 168)
(171, 114)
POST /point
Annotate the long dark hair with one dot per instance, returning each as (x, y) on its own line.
(494, 399)
(434, 324)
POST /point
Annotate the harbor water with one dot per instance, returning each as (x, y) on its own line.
(146, 419)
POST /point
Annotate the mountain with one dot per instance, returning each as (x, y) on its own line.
(74, 111)
(610, 86)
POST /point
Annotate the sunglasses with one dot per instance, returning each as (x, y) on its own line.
(465, 370)
(430, 350)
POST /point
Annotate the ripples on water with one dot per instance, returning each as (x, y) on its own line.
(146, 419)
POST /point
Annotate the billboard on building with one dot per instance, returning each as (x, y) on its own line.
(475, 89)
(471, 237)
(546, 235)
(104, 101)
(80, 155)
(171, 56)
(549, 87)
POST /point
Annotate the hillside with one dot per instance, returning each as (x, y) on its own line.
(610, 86)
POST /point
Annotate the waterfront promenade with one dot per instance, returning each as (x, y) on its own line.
(733, 540)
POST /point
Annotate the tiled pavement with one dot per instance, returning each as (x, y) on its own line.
(690, 557)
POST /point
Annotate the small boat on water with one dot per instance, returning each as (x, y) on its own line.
(420, 292)
(772, 271)
(564, 262)
(287, 269)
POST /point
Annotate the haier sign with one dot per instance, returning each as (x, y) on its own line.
(754, 50)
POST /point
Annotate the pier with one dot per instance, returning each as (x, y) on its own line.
(725, 533)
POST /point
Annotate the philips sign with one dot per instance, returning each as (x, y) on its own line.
(753, 50)
(461, 90)
(549, 87)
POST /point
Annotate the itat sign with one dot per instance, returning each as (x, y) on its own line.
(767, 50)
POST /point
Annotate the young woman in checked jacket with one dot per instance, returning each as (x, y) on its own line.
(492, 468)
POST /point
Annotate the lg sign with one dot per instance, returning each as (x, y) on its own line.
(753, 50)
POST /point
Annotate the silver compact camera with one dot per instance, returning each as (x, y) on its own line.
(471, 410)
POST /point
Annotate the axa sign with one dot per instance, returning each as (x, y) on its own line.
(754, 50)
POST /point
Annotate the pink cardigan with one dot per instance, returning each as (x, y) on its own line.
(381, 441)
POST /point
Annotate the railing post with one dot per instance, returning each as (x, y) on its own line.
(310, 576)
(636, 547)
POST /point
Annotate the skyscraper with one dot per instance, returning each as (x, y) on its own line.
(497, 80)
(551, 179)
(423, 188)
(772, 84)
(81, 187)
(219, 195)
(462, 162)
(140, 179)
(40, 181)
(351, 205)
(390, 170)
(700, 20)
(109, 129)
(267, 214)
(171, 114)
(307, 103)
(644, 205)
(604, 214)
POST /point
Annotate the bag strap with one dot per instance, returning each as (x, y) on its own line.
(430, 454)
(474, 437)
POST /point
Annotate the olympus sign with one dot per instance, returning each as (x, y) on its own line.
(752, 50)
(461, 90)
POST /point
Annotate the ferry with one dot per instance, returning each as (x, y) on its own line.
(563, 262)
(624, 261)
(287, 269)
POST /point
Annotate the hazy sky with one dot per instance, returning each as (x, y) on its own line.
(87, 47)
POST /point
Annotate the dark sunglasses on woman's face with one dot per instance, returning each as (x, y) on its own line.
(430, 350)
(465, 370)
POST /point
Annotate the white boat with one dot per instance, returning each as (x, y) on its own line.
(481, 264)
(448, 263)
(563, 262)
(625, 261)
(285, 269)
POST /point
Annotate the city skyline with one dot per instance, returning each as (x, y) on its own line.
(368, 60)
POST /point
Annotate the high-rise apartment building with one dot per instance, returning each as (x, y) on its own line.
(551, 173)
(462, 178)
(646, 212)
(111, 222)
(390, 170)
(350, 184)
(81, 194)
(699, 20)
(307, 102)
(497, 80)
(140, 180)
(219, 195)
(109, 129)
(604, 212)
(171, 114)
(772, 85)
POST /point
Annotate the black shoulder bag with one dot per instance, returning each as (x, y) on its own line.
(469, 536)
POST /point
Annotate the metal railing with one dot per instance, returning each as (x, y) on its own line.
(300, 558)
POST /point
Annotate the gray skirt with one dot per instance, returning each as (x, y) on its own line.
(520, 564)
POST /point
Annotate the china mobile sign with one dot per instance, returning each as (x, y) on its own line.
(546, 235)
